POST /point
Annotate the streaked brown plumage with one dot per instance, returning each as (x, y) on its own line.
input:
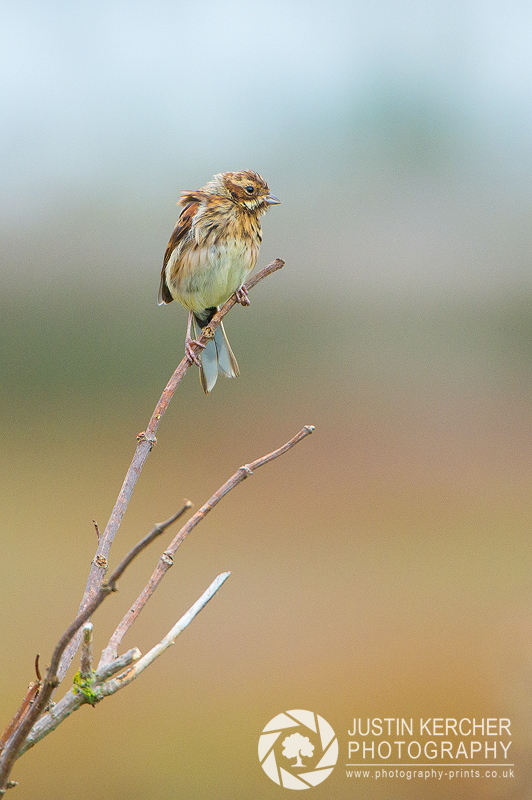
(214, 247)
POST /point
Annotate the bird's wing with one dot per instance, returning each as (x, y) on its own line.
(190, 201)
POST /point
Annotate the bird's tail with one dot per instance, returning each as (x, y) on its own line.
(217, 355)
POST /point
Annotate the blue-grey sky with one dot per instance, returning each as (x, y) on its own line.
(128, 102)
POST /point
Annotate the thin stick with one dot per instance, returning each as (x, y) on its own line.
(33, 690)
(49, 721)
(51, 681)
(86, 652)
(113, 685)
(145, 442)
(166, 560)
(103, 680)
(159, 528)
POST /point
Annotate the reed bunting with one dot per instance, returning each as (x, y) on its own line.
(211, 252)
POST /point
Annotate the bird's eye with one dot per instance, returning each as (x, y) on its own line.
(249, 189)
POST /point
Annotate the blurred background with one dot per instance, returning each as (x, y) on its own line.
(380, 569)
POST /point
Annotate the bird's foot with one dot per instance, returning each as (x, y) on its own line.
(189, 352)
(242, 296)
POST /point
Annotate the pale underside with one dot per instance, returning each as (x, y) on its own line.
(208, 275)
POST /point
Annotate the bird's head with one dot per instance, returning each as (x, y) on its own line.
(247, 189)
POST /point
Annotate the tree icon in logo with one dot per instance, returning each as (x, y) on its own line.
(296, 746)
(285, 736)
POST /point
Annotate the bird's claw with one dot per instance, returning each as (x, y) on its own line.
(190, 355)
(242, 296)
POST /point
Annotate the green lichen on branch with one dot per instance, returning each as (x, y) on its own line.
(84, 686)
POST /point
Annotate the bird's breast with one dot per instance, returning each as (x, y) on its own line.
(206, 275)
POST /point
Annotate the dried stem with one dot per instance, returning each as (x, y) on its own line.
(112, 686)
(11, 752)
(104, 684)
(33, 721)
(33, 690)
(86, 652)
(49, 721)
(145, 442)
(166, 560)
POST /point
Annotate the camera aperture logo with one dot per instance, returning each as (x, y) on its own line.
(298, 749)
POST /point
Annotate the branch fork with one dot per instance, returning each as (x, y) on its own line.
(38, 716)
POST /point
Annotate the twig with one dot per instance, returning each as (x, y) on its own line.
(31, 694)
(74, 700)
(104, 673)
(37, 716)
(113, 685)
(166, 560)
(104, 684)
(108, 655)
(29, 698)
(11, 752)
(145, 442)
(86, 652)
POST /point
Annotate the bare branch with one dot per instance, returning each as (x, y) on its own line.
(37, 717)
(145, 442)
(86, 652)
(240, 475)
(115, 684)
(166, 560)
(11, 752)
(31, 694)
(110, 651)
(73, 700)
(121, 662)
(104, 684)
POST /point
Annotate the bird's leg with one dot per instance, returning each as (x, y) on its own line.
(242, 296)
(189, 341)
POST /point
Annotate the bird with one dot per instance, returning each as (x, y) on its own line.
(212, 250)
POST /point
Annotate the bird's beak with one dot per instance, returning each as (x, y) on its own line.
(272, 200)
